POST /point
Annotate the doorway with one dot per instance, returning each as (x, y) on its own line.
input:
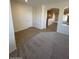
(52, 18)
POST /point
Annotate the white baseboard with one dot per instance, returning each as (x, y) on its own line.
(23, 28)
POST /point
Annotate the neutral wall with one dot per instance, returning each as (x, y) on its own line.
(12, 44)
(44, 16)
(22, 16)
(39, 17)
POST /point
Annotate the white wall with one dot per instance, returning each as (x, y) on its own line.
(22, 16)
(39, 17)
(63, 29)
(44, 16)
(12, 44)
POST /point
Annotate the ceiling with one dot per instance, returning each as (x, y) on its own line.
(38, 2)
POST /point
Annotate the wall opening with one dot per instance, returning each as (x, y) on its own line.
(52, 17)
(66, 16)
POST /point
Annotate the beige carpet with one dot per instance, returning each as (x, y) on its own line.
(45, 45)
(26, 34)
(23, 37)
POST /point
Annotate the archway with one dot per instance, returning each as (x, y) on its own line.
(52, 16)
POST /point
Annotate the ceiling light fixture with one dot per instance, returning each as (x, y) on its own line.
(26, 0)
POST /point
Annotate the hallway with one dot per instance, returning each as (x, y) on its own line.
(50, 28)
